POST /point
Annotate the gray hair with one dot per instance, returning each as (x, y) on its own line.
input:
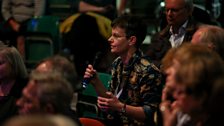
(52, 89)
(13, 57)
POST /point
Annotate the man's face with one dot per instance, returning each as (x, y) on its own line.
(29, 102)
(176, 12)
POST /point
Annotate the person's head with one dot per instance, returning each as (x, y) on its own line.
(127, 31)
(40, 120)
(178, 11)
(31, 120)
(62, 65)
(61, 120)
(211, 36)
(193, 69)
(12, 65)
(47, 93)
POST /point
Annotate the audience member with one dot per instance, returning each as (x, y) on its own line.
(47, 93)
(66, 68)
(215, 105)
(168, 92)
(211, 36)
(40, 120)
(193, 81)
(180, 28)
(12, 80)
(16, 13)
(31, 120)
(135, 89)
(63, 65)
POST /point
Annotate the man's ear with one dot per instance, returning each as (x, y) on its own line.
(49, 109)
(132, 40)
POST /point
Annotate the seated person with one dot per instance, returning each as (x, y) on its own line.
(179, 29)
(192, 71)
(40, 120)
(211, 36)
(62, 65)
(13, 79)
(135, 88)
(47, 93)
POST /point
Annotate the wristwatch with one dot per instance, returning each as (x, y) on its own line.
(123, 109)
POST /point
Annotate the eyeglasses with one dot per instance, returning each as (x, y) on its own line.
(174, 10)
(117, 36)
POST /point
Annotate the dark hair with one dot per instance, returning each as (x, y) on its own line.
(133, 25)
(65, 67)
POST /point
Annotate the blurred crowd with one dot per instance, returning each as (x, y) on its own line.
(175, 80)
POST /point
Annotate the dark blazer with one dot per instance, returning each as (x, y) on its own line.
(160, 43)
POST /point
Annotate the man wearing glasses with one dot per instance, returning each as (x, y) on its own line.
(180, 28)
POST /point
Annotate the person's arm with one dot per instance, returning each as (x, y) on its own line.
(91, 74)
(85, 7)
(39, 9)
(122, 6)
(111, 102)
(135, 112)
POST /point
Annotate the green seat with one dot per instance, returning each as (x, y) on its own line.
(87, 104)
(90, 91)
(43, 39)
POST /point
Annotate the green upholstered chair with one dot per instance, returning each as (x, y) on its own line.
(87, 104)
(43, 39)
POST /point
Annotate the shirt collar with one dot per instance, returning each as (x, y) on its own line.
(181, 30)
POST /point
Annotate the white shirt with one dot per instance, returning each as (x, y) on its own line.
(177, 39)
(182, 119)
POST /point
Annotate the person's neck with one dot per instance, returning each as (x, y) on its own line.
(6, 86)
(127, 56)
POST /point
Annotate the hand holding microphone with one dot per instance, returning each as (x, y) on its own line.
(89, 74)
(90, 71)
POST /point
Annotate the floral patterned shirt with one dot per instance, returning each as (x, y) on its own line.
(142, 86)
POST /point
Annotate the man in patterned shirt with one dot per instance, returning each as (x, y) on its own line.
(135, 89)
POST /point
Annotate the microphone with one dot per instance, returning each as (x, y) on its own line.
(96, 61)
